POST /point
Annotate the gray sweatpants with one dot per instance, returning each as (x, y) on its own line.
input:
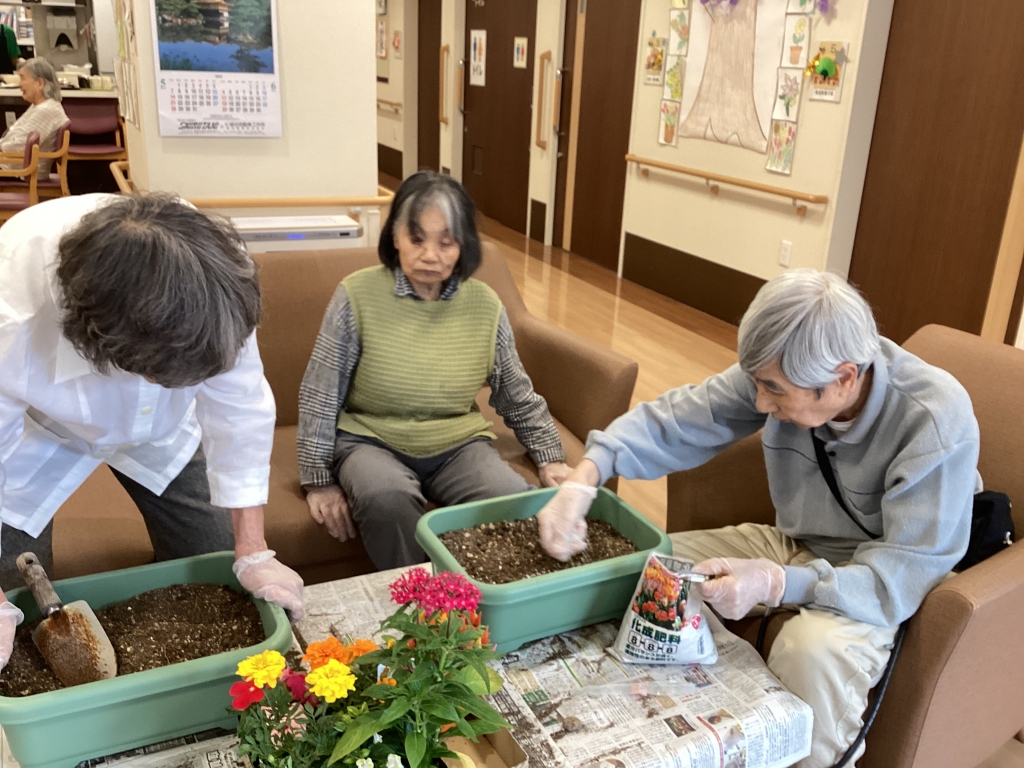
(387, 489)
(181, 522)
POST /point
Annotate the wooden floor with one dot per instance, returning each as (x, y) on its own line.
(674, 344)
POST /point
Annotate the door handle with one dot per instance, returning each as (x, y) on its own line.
(442, 114)
(542, 77)
(460, 93)
(556, 109)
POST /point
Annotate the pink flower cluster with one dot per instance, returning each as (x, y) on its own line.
(443, 592)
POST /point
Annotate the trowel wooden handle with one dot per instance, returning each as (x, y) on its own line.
(42, 590)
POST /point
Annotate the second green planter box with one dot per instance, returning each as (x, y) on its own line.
(546, 605)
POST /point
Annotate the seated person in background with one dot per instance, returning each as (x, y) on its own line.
(903, 441)
(10, 57)
(45, 115)
(387, 411)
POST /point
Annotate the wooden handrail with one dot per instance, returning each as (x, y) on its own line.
(556, 105)
(542, 81)
(442, 116)
(394, 106)
(714, 179)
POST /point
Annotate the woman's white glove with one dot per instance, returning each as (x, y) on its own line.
(268, 579)
(742, 584)
(10, 617)
(563, 520)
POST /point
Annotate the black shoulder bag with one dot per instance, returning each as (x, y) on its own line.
(992, 530)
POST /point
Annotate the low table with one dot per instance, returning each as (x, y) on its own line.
(570, 702)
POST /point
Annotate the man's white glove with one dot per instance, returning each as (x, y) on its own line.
(10, 617)
(563, 520)
(742, 584)
(262, 574)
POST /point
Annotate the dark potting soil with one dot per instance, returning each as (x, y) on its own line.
(155, 629)
(510, 550)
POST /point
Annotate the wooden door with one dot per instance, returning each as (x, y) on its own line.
(606, 107)
(428, 125)
(941, 166)
(496, 134)
(564, 119)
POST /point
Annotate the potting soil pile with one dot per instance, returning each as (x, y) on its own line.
(510, 550)
(663, 623)
(155, 629)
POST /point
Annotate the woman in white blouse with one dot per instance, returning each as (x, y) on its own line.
(45, 115)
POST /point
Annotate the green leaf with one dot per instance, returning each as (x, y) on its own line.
(441, 709)
(397, 709)
(358, 731)
(382, 692)
(415, 749)
(470, 677)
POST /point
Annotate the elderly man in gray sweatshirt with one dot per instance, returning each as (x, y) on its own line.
(903, 443)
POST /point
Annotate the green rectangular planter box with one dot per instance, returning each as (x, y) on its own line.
(546, 605)
(61, 728)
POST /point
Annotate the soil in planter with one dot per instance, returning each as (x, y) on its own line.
(155, 629)
(510, 550)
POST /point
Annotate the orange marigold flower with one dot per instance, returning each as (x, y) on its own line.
(319, 653)
(359, 648)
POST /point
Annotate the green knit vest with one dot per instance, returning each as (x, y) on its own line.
(422, 364)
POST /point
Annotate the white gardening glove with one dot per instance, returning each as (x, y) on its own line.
(563, 520)
(10, 617)
(742, 584)
(329, 507)
(267, 579)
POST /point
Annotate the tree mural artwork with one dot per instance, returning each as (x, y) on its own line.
(724, 108)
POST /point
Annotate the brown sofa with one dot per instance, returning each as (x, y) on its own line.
(585, 384)
(957, 692)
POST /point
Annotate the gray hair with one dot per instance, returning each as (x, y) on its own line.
(420, 192)
(811, 322)
(154, 287)
(41, 69)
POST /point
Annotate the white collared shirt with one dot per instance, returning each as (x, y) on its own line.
(60, 419)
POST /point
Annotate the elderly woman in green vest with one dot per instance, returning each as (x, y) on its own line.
(387, 411)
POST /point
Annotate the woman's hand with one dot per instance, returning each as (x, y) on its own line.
(329, 507)
(555, 473)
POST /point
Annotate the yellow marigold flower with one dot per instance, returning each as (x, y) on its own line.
(332, 681)
(263, 669)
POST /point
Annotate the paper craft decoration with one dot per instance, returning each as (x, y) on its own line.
(787, 100)
(731, 72)
(795, 42)
(382, 38)
(679, 32)
(396, 43)
(675, 72)
(478, 57)
(780, 148)
(827, 73)
(680, 3)
(654, 62)
(519, 48)
(801, 6)
(668, 122)
(382, 7)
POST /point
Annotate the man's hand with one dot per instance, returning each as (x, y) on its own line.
(329, 507)
(261, 574)
(10, 617)
(555, 473)
(742, 584)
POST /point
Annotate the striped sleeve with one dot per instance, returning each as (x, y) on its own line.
(324, 388)
(522, 409)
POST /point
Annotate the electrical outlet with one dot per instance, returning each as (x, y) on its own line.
(785, 252)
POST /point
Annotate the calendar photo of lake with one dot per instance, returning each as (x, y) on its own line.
(215, 35)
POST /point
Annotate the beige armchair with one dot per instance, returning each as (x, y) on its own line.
(956, 697)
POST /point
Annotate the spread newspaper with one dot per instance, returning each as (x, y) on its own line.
(570, 702)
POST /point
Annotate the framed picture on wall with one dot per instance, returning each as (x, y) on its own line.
(382, 38)
(382, 7)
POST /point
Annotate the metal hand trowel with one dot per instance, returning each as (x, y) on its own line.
(70, 637)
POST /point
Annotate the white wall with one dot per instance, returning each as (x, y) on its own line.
(328, 147)
(453, 33)
(106, 34)
(390, 128)
(743, 230)
(400, 131)
(549, 36)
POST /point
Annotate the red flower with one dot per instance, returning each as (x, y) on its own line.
(671, 614)
(661, 616)
(409, 586)
(636, 608)
(649, 607)
(449, 592)
(296, 682)
(245, 694)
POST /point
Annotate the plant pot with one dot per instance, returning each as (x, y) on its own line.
(670, 134)
(794, 53)
(547, 605)
(61, 728)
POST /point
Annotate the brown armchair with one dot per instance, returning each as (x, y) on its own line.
(957, 692)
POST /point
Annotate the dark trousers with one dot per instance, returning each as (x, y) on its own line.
(387, 490)
(181, 522)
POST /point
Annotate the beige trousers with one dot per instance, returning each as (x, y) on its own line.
(829, 661)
